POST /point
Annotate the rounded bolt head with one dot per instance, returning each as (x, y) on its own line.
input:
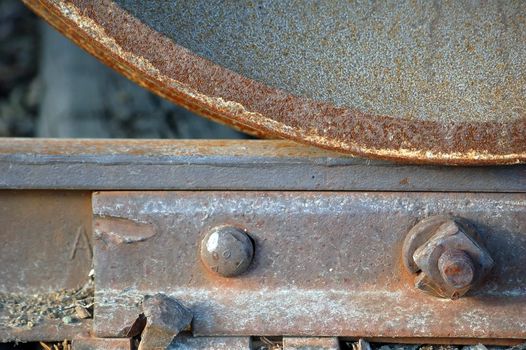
(227, 251)
(456, 268)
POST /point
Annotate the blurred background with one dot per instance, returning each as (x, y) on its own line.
(51, 88)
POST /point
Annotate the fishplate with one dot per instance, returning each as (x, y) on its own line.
(305, 263)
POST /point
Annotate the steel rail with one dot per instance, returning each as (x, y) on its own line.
(228, 165)
(328, 232)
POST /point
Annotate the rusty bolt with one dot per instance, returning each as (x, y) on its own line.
(227, 251)
(456, 268)
(447, 256)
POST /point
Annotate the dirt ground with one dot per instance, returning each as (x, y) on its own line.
(25, 311)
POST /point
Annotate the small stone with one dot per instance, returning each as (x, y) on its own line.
(516, 347)
(475, 347)
(67, 319)
(165, 318)
(81, 312)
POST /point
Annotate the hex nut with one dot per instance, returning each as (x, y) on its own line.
(227, 251)
(448, 257)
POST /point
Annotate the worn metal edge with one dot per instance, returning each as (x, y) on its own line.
(80, 343)
(53, 330)
(208, 323)
(442, 341)
(318, 343)
(373, 136)
(188, 342)
(233, 165)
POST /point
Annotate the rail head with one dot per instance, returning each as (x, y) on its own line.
(228, 164)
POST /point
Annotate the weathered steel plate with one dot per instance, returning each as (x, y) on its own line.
(306, 343)
(101, 344)
(427, 82)
(45, 257)
(326, 264)
(46, 239)
(186, 342)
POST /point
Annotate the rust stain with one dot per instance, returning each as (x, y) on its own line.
(300, 272)
(404, 181)
(123, 231)
(87, 343)
(124, 43)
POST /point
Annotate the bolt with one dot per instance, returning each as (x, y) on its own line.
(227, 251)
(447, 256)
(456, 268)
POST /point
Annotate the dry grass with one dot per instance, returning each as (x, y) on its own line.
(65, 345)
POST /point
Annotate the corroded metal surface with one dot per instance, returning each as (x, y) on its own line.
(448, 256)
(414, 82)
(325, 264)
(52, 331)
(45, 255)
(306, 343)
(229, 165)
(187, 342)
(101, 344)
(46, 239)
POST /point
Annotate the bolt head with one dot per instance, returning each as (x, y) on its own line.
(456, 268)
(227, 251)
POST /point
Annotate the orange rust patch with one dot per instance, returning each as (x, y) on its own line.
(156, 62)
